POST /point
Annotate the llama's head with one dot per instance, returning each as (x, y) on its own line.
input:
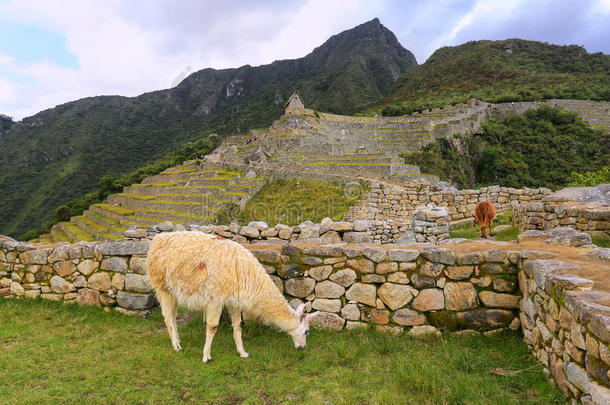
(299, 335)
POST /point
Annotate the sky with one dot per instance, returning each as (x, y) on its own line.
(52, 52)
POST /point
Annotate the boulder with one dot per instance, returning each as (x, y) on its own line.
(299, 287)
(460, 296)
(430, 299)
(363, 293)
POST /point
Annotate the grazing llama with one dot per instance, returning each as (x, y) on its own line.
(205, 272)
(484, 214)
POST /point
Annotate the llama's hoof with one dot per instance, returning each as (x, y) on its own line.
(245, 356)
(492, 234)
(208, 360)
(483, 237)
(177, 347)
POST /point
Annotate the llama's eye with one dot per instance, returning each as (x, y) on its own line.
(307, 332)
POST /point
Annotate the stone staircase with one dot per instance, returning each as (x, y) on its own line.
(192, 193)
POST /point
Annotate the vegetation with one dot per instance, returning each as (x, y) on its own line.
(541, 148)
(62, 353)
(111, 184)
(469, 231)
(591, 179)
(500, 71)
(291, 202)
(58, 155)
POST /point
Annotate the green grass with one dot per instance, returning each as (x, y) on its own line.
(116, 210)
(135, 196)
(291, 202)
(78, 232)
(468, 231)
(602, 242)
(55, 353)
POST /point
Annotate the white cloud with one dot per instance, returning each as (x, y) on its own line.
(128, 47)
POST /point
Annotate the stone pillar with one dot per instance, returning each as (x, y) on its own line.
(430, 223)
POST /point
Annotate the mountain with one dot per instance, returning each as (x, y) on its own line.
(61, 153)
(500, 71)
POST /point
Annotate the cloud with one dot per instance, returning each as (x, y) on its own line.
(129, 47)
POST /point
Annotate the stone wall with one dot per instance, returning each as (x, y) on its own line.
(389, 202)
(567, 325)
(106, 274)
(595, 220)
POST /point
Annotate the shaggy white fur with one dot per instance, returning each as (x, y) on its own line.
(207, 273)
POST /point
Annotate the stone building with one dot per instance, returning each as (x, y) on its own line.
(295, 104)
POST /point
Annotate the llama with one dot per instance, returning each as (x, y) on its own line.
(205, 272)
(484, 214)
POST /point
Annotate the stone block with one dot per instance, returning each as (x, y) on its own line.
(363, 293)
(320, 273)
(135, 301)
(138, 283)
(88, 296)
(59, 285)
(138, 265)
(460, 296)
(362, 265)
(484, 319)
(100, 281)
(267, 255)
(350, 312)
(496, 300)
(327, 320)
(87, 267)
(327, 305)
(299, 287)
(116, 264)
(407, 317)
(439, 255)
(459, 272)
(402, 255)
(328, 289)
(395, 295)
(375, 254)
(344, 277)
(430, 299)
(387, 267)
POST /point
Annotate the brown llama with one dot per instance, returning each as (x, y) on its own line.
(205, 272)
(484, 214)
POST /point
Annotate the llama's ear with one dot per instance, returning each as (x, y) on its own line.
(300, 309)
(308, 317)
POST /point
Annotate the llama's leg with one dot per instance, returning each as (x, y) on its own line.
(212, 315)
(169, 308)
(490, 225)
(483, 232)
(236, 321)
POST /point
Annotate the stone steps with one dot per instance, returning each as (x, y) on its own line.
(113, 226)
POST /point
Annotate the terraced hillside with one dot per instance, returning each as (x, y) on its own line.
(192, 193)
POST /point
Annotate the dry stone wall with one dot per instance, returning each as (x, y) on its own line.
(388, 202)
(594, 220)
(105, 274)
(567, 325)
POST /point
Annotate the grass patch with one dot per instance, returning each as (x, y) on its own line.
(78, 232)
(602, 242)
(116, 210)
(64, 353)
(467, 231)
(291, 202)
(136, 196)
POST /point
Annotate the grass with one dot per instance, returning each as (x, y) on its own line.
(602, 242)
(290, 201)
(468, 231)
(56, 353)
(77, 232)
(135, 196)
(116, 210)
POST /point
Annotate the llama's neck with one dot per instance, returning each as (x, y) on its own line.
(273, 308)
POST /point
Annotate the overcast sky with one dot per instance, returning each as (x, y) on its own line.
(55, 51)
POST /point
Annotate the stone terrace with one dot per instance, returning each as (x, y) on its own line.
(192, 193)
